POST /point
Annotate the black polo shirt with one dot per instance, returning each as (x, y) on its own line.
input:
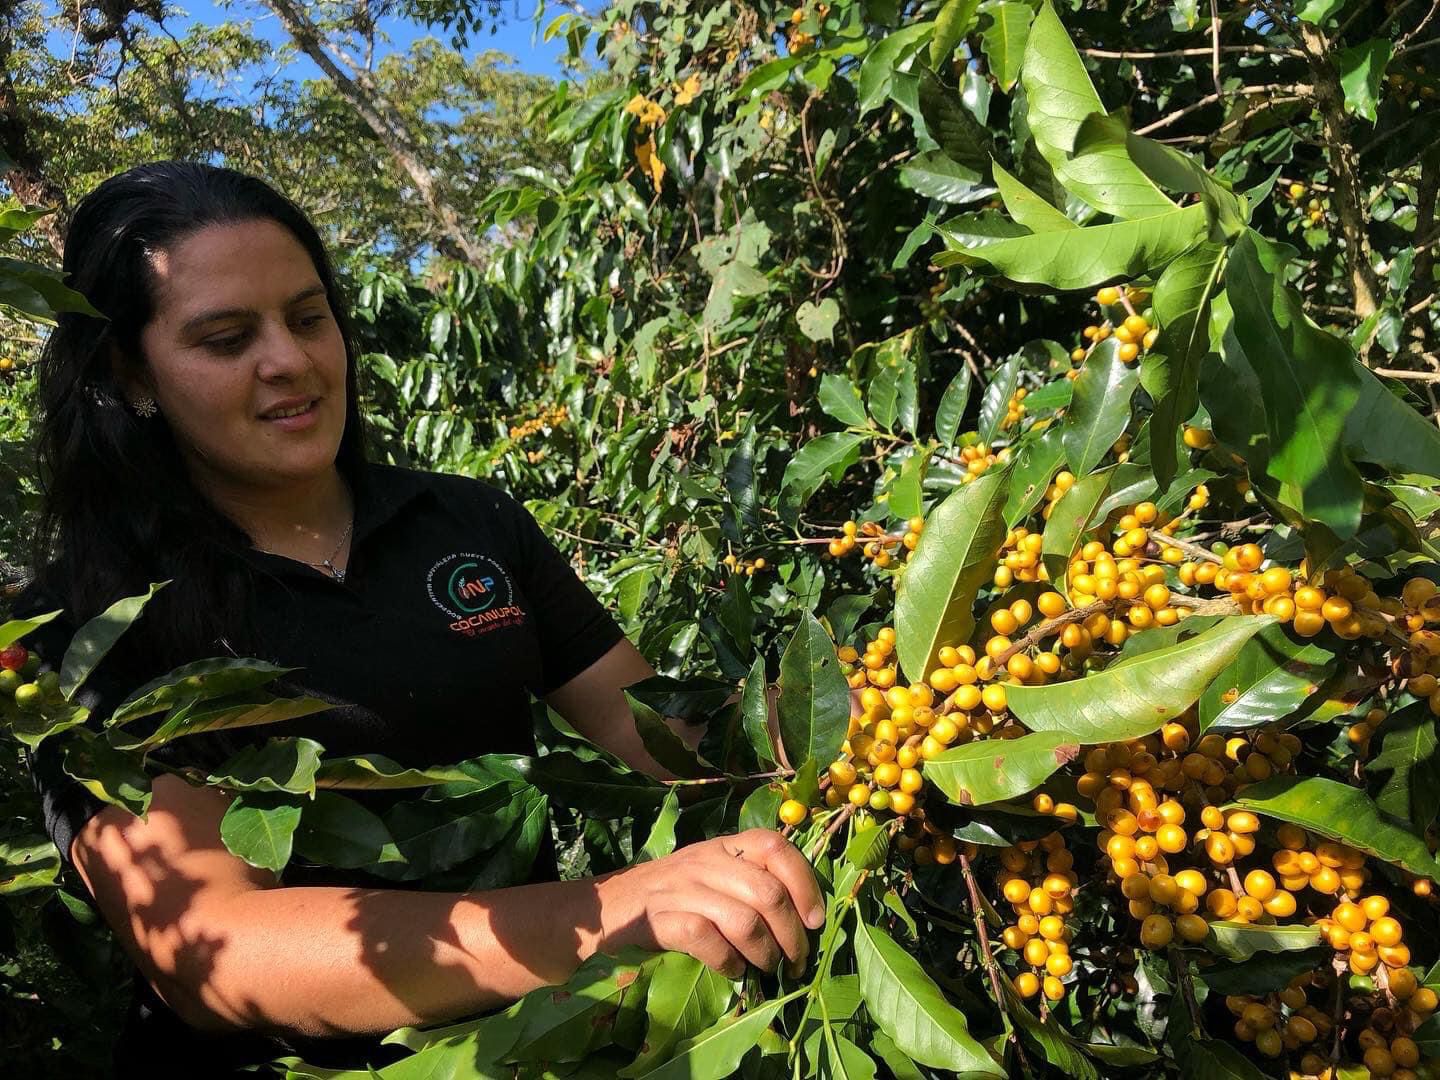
(454, 610)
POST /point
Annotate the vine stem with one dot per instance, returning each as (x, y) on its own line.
(777, 774)
(846, 812)
(1187, 989)
(991, 967)
(1192, 548)
(1049, 628)
(1338, 1009)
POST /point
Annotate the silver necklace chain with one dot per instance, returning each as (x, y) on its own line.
(337, 572)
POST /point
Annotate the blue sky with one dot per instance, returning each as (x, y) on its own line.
(518, 35)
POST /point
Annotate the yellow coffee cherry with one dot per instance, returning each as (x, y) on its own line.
(1027, 984)
(793, 812)
(1156, 932)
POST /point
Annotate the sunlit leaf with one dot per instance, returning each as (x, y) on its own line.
(1134, 697)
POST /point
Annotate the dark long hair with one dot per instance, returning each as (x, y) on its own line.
(120, 510)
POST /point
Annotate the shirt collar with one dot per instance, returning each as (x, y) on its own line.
(381, 492)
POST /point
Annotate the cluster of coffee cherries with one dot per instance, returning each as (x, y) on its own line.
(1133, 331)
(1019, 558)
(1312, 210)
(22, 680)
(979, 457)
(549, 416)
(1342, 600)
(1014, 408)
(797, 40)
(748, 567)
(875, 544)
(1285, 1021)
(1366, 933)
(1385, 1043)
(1148, 791)
(1038, 880)
(928, 845)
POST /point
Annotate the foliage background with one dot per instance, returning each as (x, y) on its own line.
(681, 278)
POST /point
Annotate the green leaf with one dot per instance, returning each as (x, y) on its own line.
(661, 841)
(110, 775)
(372, 772)
(1134, 697)
(1069, 517)
(337, 831)
(1340, 812)
(840, 398)
(878, 70)
(1308, 385)
(554, 1023)
(236, 711)
(755, 714)
(591, 787)
(1060, 96)
(434, 835)
(898, 1064)
(907, 497)
(1024, 205)
(1383, 430)
(951, 26)
(27, 863)
(33, 728)
(685, 998)
(911, 1010)
(1100, 410)
(1319, 11)
(1083, 258)
(814, 704)
(1209, 1058)
(826, 457)
(1361, 68)
(1004, 41)
(285, 764)
(937, 176)
(991, 770)
(732, 281)
(1170, 372)
(93, 640)
(1057, 1046)
(715, 1053)
(1260, 973)
(1408, 766)
(1240, 941)
(1033, 465)
(868, 847)
(995, 401)
(260, 828)
(955, 556)
(15, 629)
(962, 138)
(1270, 678)
(761, 808)
(198, 681)
(817, 321)
(662, 742)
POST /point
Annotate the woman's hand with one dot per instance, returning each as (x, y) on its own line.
(730, 901)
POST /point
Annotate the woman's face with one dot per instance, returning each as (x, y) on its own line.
(242, 332)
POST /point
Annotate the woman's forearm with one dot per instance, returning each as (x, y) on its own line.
(321, 961)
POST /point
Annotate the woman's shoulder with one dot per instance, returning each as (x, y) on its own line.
(396, 482)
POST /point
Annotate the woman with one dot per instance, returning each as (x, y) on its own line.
(206, 433)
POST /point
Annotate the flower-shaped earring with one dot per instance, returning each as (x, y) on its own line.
(145, 408)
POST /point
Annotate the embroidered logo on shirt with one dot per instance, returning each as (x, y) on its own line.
(475, 591)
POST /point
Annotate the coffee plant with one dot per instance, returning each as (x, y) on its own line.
(1046, 477)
